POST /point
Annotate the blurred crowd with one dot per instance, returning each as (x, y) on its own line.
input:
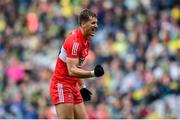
(137, 42)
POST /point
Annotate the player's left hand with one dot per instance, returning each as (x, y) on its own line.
(86, 94)
(98, 71)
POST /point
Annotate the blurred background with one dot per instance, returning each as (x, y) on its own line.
(137, 42)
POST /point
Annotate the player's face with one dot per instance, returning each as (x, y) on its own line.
(91, 26)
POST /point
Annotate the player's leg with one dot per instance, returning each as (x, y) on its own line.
(65, 110)
(80, 111)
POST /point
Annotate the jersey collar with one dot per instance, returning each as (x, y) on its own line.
(80, 35)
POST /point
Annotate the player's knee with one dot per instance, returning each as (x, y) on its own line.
(62, 116)
(80, 112)
(65, 115)
(65, 111)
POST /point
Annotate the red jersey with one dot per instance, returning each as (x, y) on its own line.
(75, 46)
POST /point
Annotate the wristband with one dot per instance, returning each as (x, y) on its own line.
(83, 86)
(92, 73)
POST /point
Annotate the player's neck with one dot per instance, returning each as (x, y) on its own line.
(86, 37)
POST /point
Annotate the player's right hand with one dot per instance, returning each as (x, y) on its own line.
(98, 71)
(86, 94)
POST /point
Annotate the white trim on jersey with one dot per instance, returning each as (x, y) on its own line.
(63, 54)
(60, 92)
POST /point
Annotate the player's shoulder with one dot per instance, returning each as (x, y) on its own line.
(73, 36)
(72, 39)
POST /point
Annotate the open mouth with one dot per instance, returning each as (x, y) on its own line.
(93, 30)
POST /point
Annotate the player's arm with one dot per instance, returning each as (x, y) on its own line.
(74, 71)
(81, 83)
(73, 49)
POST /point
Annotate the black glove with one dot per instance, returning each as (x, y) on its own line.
(98, 71)
(86, 94)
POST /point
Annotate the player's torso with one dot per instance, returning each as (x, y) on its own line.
(74, 46)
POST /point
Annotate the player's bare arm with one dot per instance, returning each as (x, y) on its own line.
(75, 71)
